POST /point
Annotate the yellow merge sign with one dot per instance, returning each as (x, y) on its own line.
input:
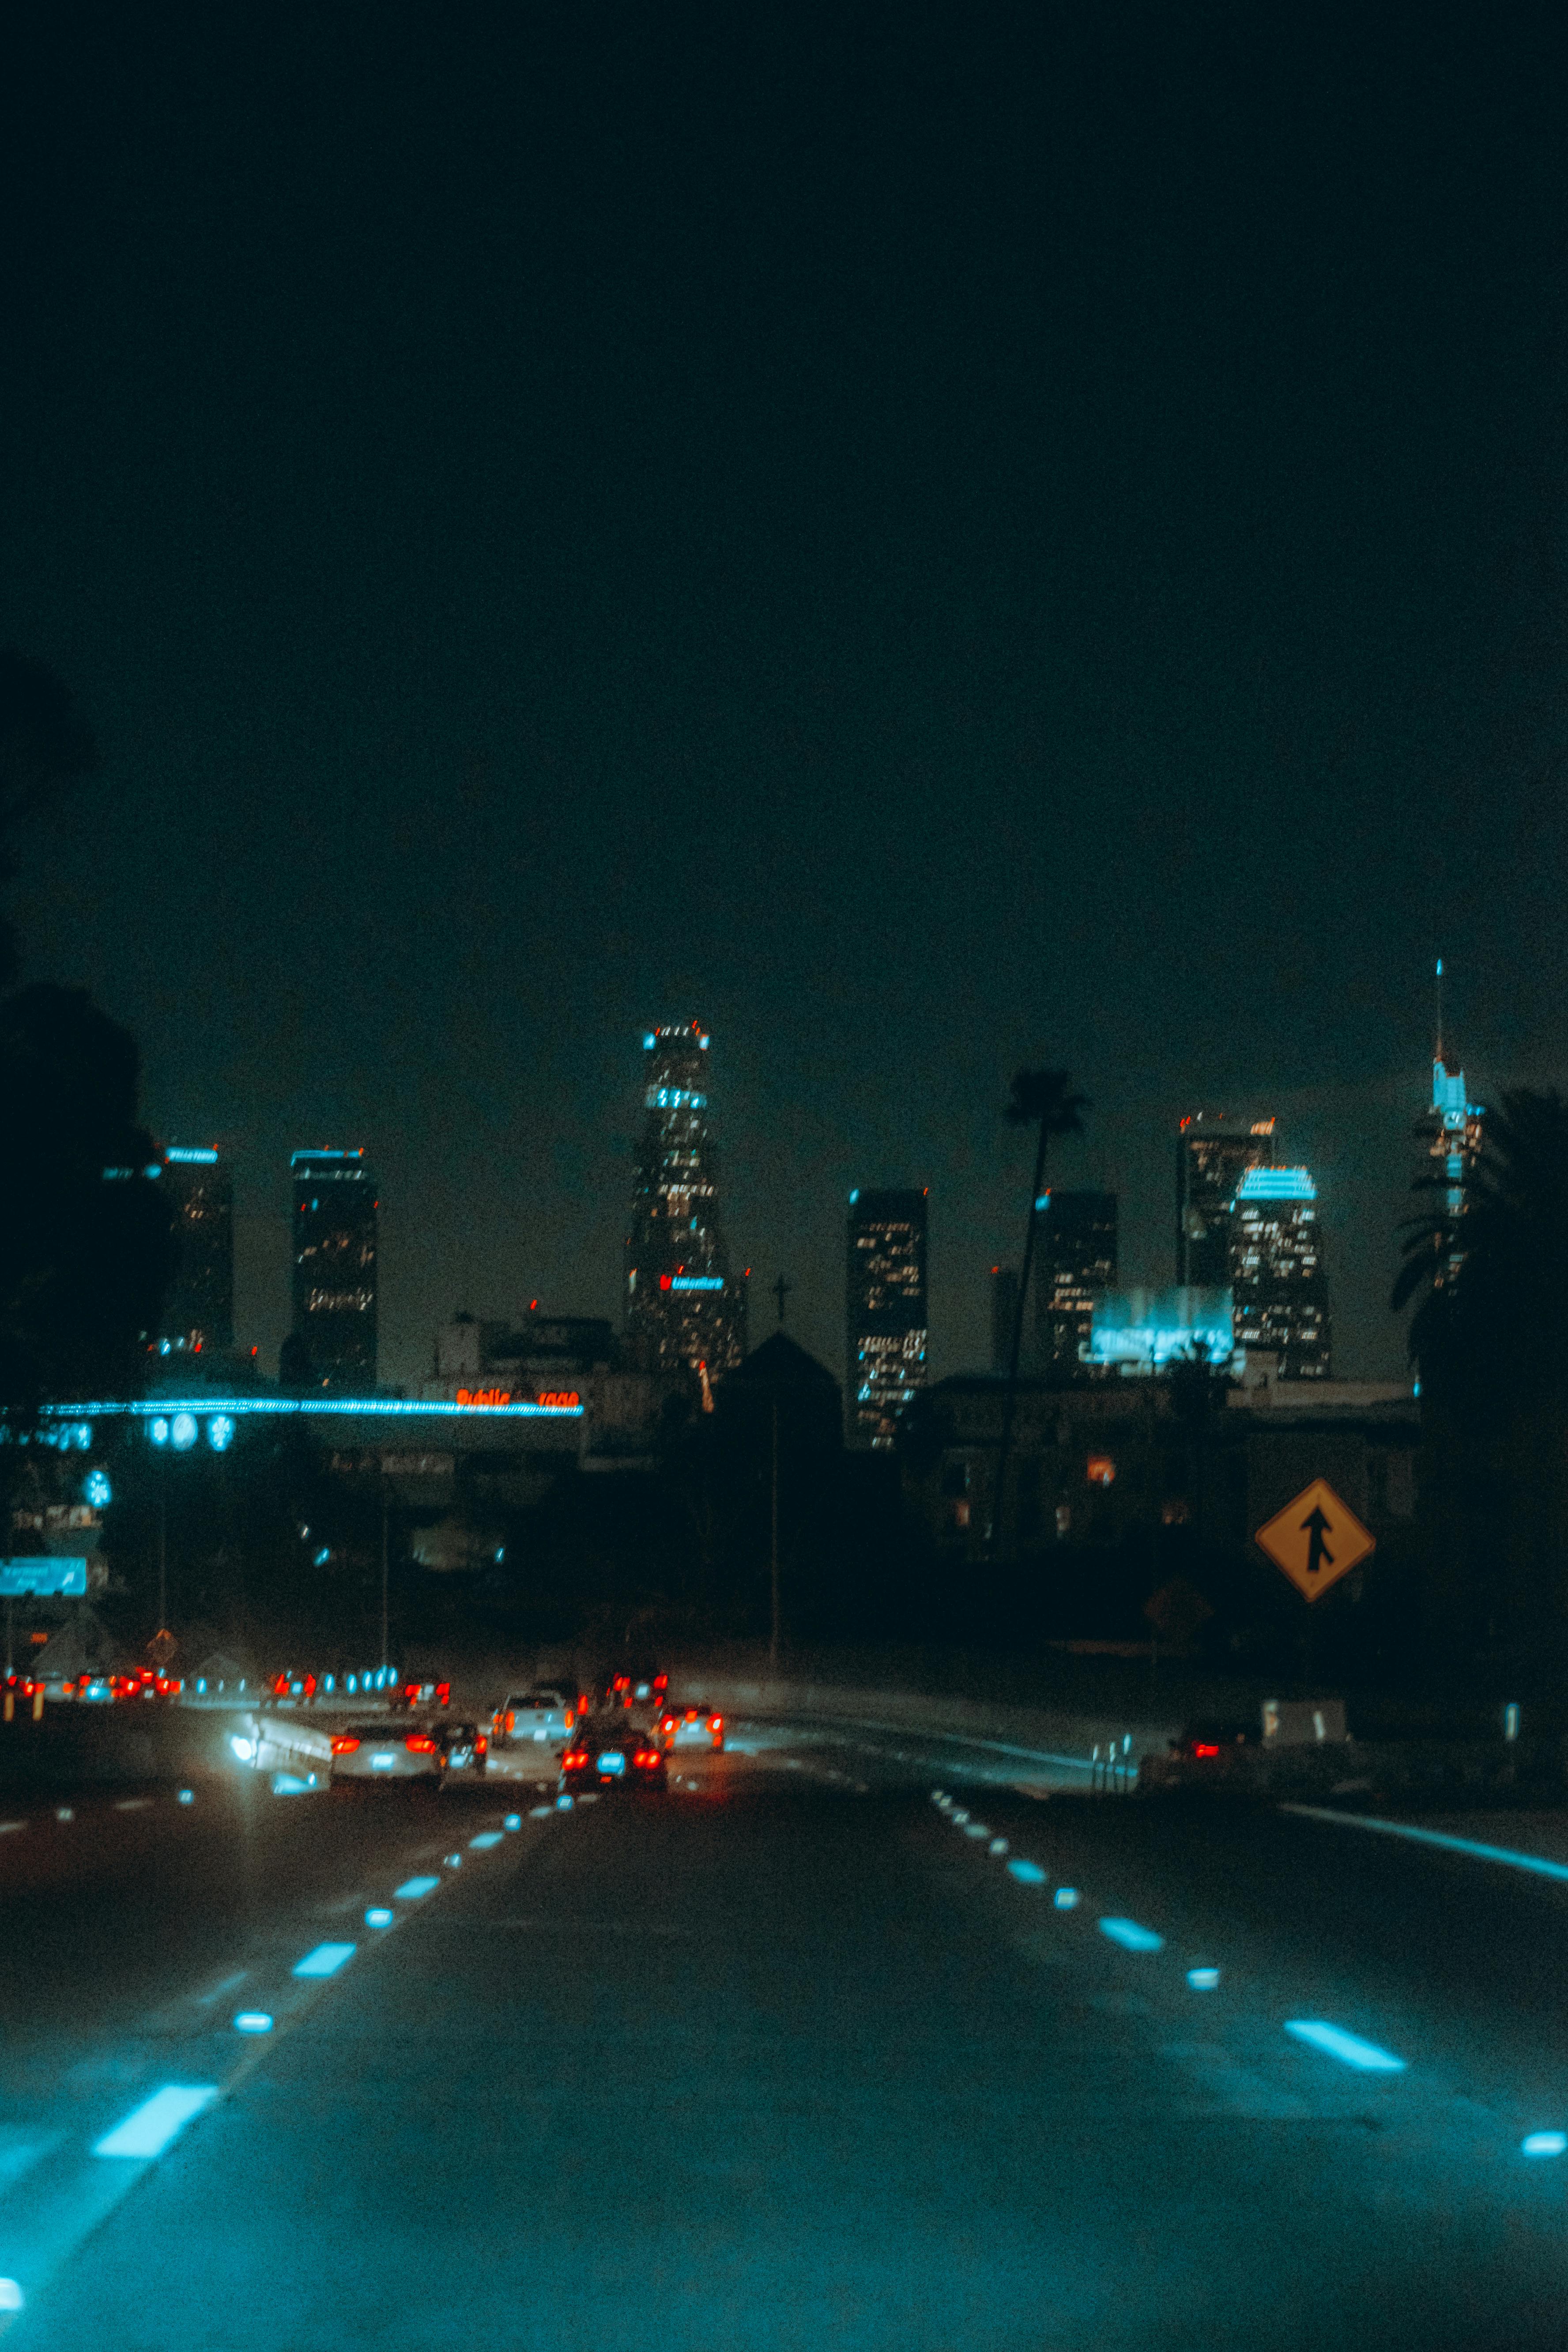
(1316, 1539)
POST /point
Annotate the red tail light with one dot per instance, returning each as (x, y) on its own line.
(571, 1718)
(1205, 1747)
(576, 1760)
(421, 1743)
(444, 1694)
(483, 1745)
(717, 1723)
(344, 1744)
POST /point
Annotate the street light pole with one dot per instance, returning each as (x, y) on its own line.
(384, 1546)
(163, 1547)
(773, 1633)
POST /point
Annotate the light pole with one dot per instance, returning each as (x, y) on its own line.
(385, 1507)
(773, 1630)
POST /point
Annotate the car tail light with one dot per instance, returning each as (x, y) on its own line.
(717, 1723)
(344, 1745)
(571, 1718)
(421, 1743)
(575, 1760)
(511, 1722)
(482, 1744)
(1205, 1747)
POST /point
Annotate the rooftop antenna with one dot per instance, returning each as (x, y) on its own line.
(1437, 992)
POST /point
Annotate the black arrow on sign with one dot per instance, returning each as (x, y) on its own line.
(1316, 1528)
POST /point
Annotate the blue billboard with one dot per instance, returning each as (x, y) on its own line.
(47, 1572)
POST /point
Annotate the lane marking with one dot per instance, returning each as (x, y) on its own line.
(150, 2129)
(976, 1829)
(1067, 1898)
(486, 1840)
(10, 2295)
(1348, 2048)
(1535, 1862)
(378, 1917)
(1544, 2144)
(4, 1826)
(131, 1804)
(997, 1845)
(324, 1961)
(515, 1820)
(413, 1888)
(1028, 1874)
(1131, 1937)
(253, 2021)
(540, 1812)
(1203, 1980)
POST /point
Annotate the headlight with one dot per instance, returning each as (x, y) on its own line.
(242, 1747)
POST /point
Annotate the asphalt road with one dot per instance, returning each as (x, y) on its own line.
(792, 2057)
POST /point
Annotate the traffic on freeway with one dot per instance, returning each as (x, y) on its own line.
(981, 2058)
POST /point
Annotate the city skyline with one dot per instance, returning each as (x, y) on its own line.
(961, 1286)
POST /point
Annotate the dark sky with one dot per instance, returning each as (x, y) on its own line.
(928, 539)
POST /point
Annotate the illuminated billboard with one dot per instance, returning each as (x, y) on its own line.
(1144, 1330)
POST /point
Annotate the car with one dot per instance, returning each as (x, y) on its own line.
(609, 1752)
(389, 1751)
(416, 1692)
(643, 1686)
(541, 1718)
(463, 1747)
(692, 1725)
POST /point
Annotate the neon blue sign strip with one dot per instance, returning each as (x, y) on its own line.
(697, 1282)
(163, 1407)
(188, 1156)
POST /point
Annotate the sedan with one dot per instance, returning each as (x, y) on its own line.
(383, 1751)
(613, 1754)
(543, 1718)
(692, 1726)
(463, 1748)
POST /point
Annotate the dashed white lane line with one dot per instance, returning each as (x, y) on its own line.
(325, 1960)
(1350, 2049)
(150, 2129)
(132, 1804)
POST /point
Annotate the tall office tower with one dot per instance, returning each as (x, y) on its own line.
(1212, 1157)
(1075, 1249)
(335, 1205)
(200, 1310)
(684, 1306)
(1452, 1134)
(1279, 1284)
(1004, 1313)
(884, 1301)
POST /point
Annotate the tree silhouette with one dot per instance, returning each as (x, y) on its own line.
(1044, 1101)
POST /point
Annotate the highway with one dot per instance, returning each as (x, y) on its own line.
(851, 2039)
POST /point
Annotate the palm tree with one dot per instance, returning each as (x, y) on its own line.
(1485, 1336)
(1487, 1280)
(1044, 1101)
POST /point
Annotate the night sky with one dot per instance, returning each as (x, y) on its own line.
(930, 539)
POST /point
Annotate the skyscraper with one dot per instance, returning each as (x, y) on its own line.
(200, 1310)
(334, 1334)
(1451, 1132)
(1212, 1157)
(1076, 1245)
(1278, 1281)
(683, 1307)
(884, 1296)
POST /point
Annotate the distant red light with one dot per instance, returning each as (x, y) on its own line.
(421, 1743)
(1204, 1747)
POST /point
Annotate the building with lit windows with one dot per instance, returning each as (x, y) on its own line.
(1075, 1247)
(200, 1310)
(1212, 1157)
(332, 1344)
(1452, 1134)
(684, 1306)
(885, 1312)
(1278, 1285)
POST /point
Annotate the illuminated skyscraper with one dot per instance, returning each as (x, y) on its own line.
(885, 1312)
(334, 1207)
(1451, 1132)
(1212, 1159)
(683, 1307)
(200, 1310)
(1278, 1282)
(1077, 1253)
